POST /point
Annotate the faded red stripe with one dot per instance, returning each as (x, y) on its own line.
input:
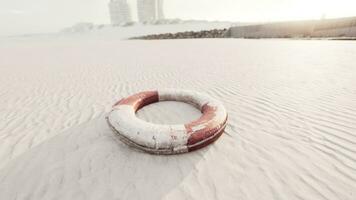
(139, 100)
(207, 142)
(207, 126)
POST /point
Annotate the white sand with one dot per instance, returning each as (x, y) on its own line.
(169, 112)
(291, 132)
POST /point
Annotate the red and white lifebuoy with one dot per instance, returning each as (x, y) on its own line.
(168, 139)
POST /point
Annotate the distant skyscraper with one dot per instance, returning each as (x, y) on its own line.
(148, 10)
(119, 12)
(160, 13)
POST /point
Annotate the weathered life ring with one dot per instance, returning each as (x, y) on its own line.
(167, 139)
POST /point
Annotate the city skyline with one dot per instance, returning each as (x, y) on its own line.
(123, 11)
(38, 16)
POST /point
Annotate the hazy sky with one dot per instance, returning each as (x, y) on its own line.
(36, 16)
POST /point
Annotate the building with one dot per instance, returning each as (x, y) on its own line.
(146, 10)
(149, 10)
(119, 12)
(160, 13)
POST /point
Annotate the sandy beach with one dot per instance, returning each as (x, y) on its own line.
(291, 132)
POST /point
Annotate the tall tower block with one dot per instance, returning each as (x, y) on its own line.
(119, 12)
(149, 10)
(160, 13)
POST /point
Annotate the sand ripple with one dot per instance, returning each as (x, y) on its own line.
(291, 132)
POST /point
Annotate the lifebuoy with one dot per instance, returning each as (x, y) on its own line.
(168, 139)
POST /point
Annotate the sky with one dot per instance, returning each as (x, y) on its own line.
(43, 16)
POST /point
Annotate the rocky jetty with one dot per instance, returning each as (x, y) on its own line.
(215, 33)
